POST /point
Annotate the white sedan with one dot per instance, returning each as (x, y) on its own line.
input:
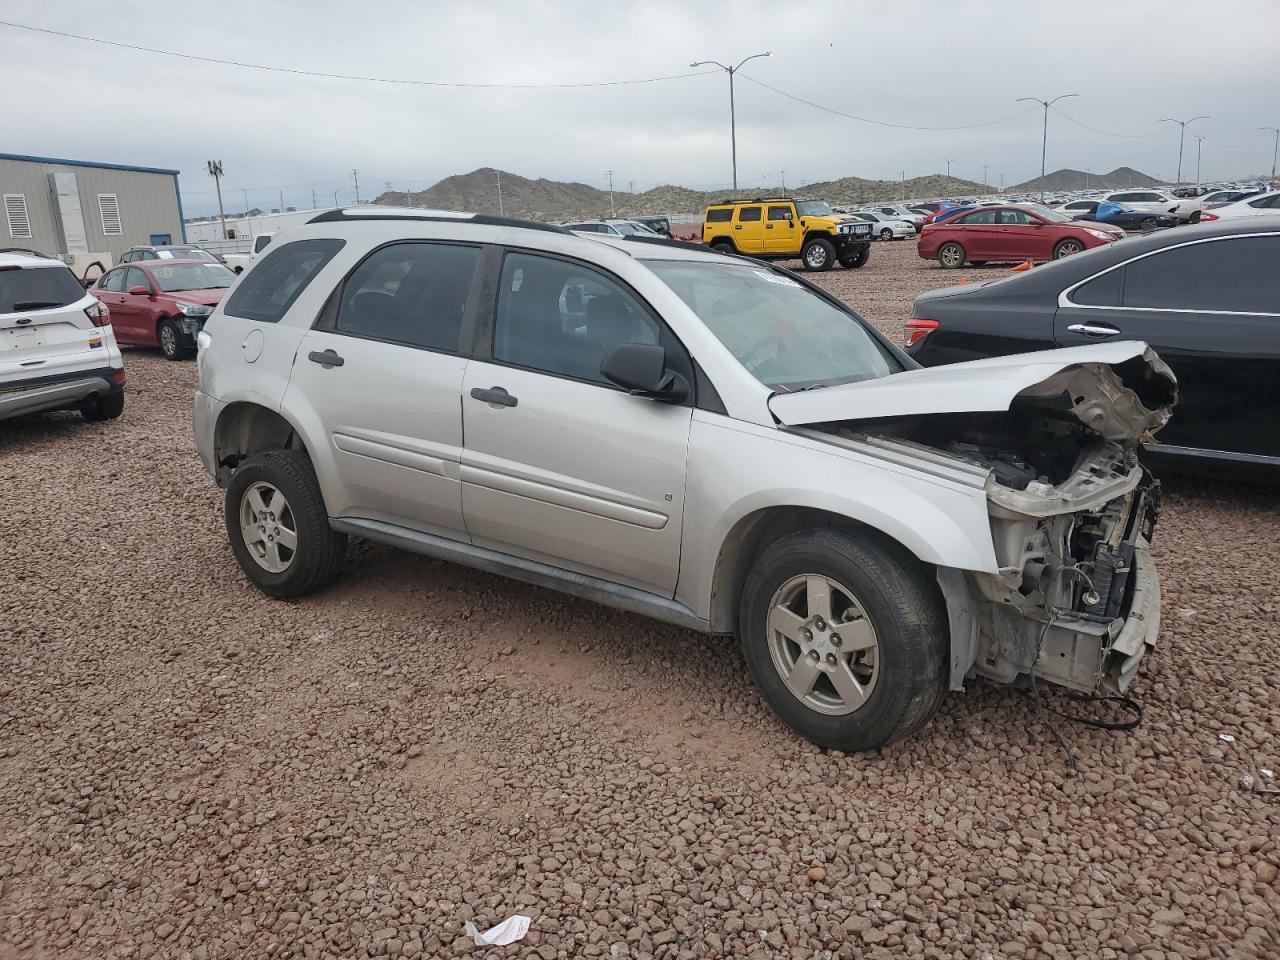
(1191, 209)
(886, 228)
(1266, 204)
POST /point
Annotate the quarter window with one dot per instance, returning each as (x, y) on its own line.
(274, 283)
(1102, 291)
(562, 318)
(410, 293)
(748, 214)
(1236, 274)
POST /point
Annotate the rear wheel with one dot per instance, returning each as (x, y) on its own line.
(951, 255)
(1195, 217)
(846, 638)
(1150, 223)
(278, 526)
(818, 254)
(170, 338)
(1066, 248)
(858, 258)
(98, 407)
(723, 246)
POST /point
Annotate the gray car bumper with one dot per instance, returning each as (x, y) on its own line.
(55, 394)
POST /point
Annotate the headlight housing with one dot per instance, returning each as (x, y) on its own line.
(194, 309)
(1101, 235)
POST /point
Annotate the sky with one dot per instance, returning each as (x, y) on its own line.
(914, 63)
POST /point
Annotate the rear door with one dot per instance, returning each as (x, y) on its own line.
(561, 466)
(977, 233)
(748, 229)
(780, 232)
(381, 372)
(43, 326)
(1211, 309)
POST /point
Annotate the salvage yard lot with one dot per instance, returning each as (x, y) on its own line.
(188, 769)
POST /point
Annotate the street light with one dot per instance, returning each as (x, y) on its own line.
(1199, 143)
(1274, 151)
(1182, 132)
(1044, 136)
(733, 123)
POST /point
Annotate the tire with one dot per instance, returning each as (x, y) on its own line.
(98, 408)
(170, 339)
(870, 583)
(818, 255)
(977, 263)
(1065, 248)
(886, 234)
(724, 246)
(1148, 224)
(951, 255)
(858, 259)
(318, 550)
(1195, 217)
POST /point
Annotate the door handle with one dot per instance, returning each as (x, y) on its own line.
(326, 359)
(737, 226)
(1093, 329)
(496, 396)
(768, 226)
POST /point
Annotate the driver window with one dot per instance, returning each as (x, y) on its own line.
(1015, 217)
(136, 278)
(779, 213)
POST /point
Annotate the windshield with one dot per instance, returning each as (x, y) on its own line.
(813, 208)
(185, 253)
(786, 336)
(192, 276)
(628, 229)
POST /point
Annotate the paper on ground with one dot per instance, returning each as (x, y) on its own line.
(508, 931)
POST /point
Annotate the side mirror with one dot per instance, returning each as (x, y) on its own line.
(140, 291)
(641, 369)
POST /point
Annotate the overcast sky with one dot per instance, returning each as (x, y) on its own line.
(912, 62)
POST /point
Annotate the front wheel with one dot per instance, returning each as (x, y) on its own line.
(170, 338)
(1195, 217)
(1066, 248)
(278, 526)
(886, 234)
(818, 255)
(846, 638)
(852, 261)
(951, 256)
(1148, 224)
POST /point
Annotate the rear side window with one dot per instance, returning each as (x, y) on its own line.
(719, 215)
(983, 216)
(746, 214)
(1102, 291)
(1236, 274)
(1266, 203)
(38, 288)
(411, 293)
(267, 291)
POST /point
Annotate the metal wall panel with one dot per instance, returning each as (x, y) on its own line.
(148, 202)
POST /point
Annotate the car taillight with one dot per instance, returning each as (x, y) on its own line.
(1209, 217)
(98, 314)
(917, 330)
(117, 376)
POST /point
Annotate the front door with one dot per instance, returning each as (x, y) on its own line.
(781, 235)
(559, 465)
(131, 317)
(382, 371)
(1022, 236)
(1212, 311)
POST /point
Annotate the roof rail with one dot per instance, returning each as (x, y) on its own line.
(666, 242)
(358, 214)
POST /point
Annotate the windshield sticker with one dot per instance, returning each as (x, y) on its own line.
(164, 273)
(164, 254)
(775, 278)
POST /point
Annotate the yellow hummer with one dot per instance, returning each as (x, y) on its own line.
(782, 228)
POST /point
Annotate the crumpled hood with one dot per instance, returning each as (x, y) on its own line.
(1085, 374)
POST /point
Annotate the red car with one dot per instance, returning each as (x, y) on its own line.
(1010, 232)
(162, 303)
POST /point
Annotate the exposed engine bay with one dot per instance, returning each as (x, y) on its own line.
(1072, 510)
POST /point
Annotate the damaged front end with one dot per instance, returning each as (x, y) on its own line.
(1075, 599)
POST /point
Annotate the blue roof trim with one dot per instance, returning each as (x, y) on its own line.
(89, 163)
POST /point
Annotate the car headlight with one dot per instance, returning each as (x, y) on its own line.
(1101, 235)
(194, 309)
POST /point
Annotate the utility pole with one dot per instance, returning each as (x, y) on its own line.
(1002, 183)
(733, 122)
(904, 186)
(246, 202)
(631, 186)
(948, 163)
(1274, 150)
(313, 198)
(282, 201)
(501, 211)
(335, 198)
(215, 171)
(1044, 135)
(984, 175)
(355, 175)
(1199, 142)
(609, 174)
(1182, 133)
(782, 178)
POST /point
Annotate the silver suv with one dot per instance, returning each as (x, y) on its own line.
(704, 439)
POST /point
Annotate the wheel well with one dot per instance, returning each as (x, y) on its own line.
(818, 235)
(751, 534)
(246, 428)
(722, 240)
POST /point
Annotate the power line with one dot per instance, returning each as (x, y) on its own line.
(1105, 133)
(347, 76)
(878, 123)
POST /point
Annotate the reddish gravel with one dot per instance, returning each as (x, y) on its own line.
(190, 770)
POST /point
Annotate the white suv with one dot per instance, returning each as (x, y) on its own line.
(705, 439)
(57, 349)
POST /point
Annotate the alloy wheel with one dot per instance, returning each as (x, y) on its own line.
(816, 256)
(268, 526)
(823, 645)
(952, 255)
(1067, 248)
(168, 340)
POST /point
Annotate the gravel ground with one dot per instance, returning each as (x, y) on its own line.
(188, 769)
